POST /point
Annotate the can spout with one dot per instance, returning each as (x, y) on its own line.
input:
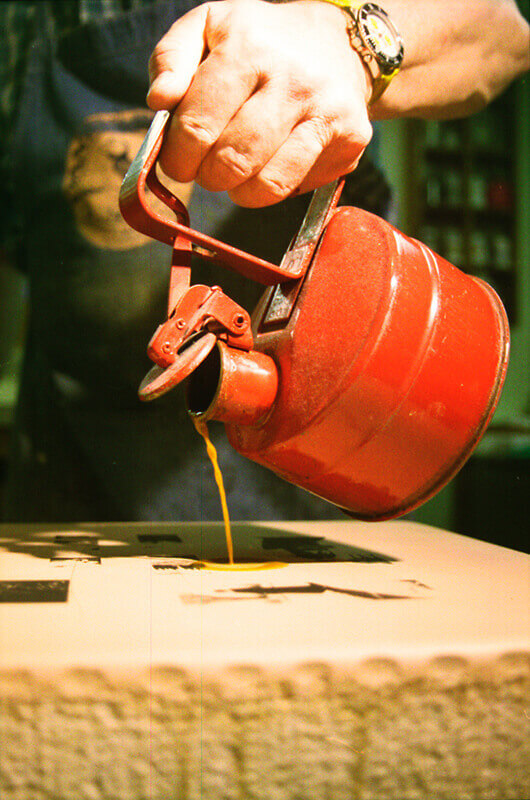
(233, 386)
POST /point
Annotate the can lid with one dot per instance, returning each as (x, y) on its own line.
(160, 380)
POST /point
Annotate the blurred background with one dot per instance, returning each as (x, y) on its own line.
(462, 187)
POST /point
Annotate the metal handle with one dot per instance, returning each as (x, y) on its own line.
(136, 210)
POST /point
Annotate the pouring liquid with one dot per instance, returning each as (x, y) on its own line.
(202, 428)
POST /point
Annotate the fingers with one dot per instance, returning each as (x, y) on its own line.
(281, 176)
(336, 161)
(242, 148)
(175, 59)
(221, 86)
(305, 161)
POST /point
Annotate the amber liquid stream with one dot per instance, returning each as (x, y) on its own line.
(202, 428)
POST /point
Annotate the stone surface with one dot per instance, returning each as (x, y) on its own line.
(385, 660)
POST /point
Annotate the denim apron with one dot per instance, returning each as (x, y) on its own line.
(84, 447)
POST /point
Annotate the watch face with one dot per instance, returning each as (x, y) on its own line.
(380, 36)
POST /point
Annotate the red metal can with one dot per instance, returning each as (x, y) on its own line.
(372, 377)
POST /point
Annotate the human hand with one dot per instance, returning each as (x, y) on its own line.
(268, 99)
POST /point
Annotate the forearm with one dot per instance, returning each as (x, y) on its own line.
(459, 54)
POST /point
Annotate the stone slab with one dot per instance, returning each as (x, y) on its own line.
(386, 660)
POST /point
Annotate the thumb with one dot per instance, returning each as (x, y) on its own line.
(175, 59)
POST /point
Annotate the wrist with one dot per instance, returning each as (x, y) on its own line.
(329, 11)
(375, 39)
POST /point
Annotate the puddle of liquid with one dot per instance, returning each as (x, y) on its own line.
(241, 567)
(202, 428)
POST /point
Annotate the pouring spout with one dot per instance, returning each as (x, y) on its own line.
(233, 386)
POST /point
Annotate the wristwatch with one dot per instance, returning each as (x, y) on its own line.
(375, 38)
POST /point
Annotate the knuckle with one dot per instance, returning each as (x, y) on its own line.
(273, 185)
(323, 129)
(300, 88)
(365, 134)
(225, 168)
(358, 125)
(353, 137)
(197, 131)
(343, 118)
(231, 162)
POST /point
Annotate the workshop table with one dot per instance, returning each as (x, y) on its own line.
(384, 660)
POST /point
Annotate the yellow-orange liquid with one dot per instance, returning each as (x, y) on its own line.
(202, 428)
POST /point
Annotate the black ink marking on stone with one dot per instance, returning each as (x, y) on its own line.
(77, 539)
(34, 591)
(317, 548)
(319, 588)
(279, 593)
(414, 582)
(156, 538)
(78, 548)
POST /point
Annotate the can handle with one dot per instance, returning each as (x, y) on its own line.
(140, 215)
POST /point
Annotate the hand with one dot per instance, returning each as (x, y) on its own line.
(269, 100)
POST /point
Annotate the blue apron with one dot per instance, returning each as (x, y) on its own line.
(84, 447)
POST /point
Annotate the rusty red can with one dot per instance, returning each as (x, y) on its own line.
(372, 377)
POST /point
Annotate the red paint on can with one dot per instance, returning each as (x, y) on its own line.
(390, 366)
